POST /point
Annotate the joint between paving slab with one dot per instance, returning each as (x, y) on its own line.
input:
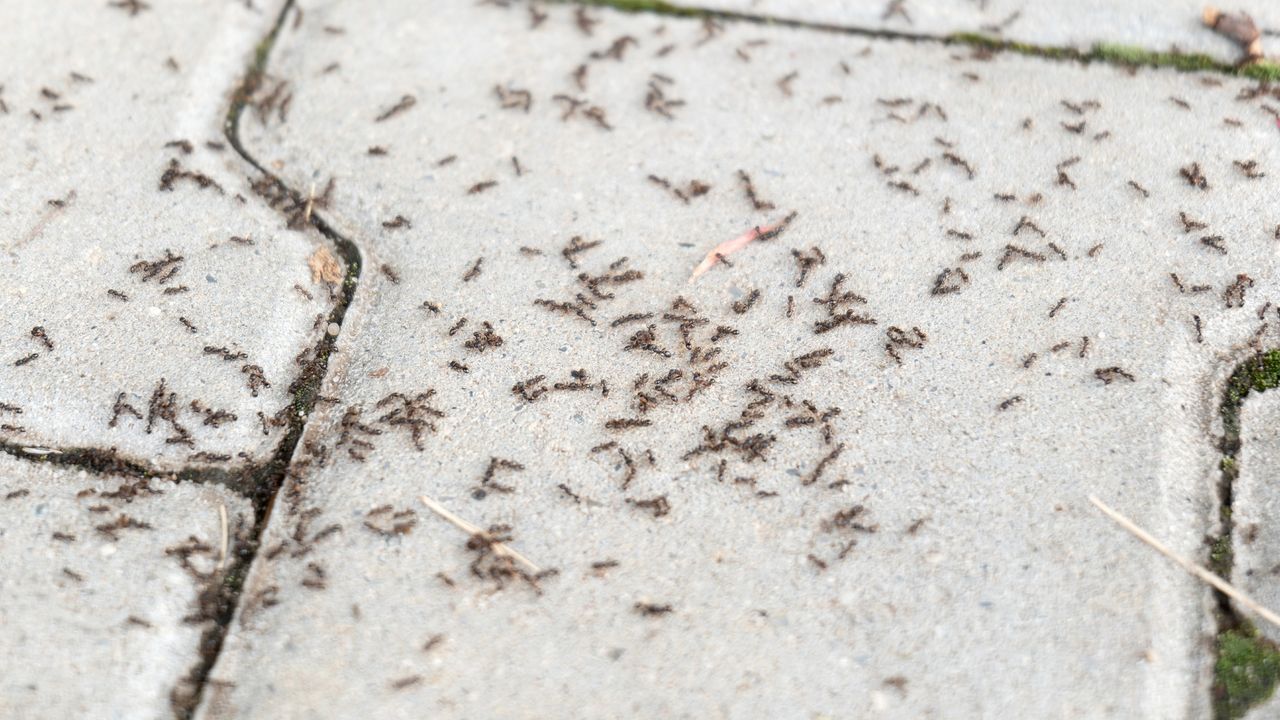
(1242, 656)
(266, 483)
(1115, 54)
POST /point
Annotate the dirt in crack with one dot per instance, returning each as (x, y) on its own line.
(260, 484)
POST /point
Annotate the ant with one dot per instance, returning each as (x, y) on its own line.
(483, 339)
(405, 102)
(750, 188)
(658, 505)
(496, 464)
(1234, 294)
(474, 271)
(1249, 168)
(1005, 405)
(1215, 242)
(949, 281)
(1189, 224)
(616, 50)
(1028, 223)
(1013, 251)
(959, 162)
(627, 423)
(806, 262)
(513, 98)
(577, 246)
(1194, 177)
(1112, 374)
(821, 467)
(784, 83)
(652, 609)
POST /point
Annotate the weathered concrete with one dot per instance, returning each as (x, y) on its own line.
(943, 562)
(112, 157)
(102, 614)
(1151, 24)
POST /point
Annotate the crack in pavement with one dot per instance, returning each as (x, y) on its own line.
(1256, 374)
(1104, 52)
(304, 390)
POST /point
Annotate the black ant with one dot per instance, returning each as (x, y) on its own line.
(1249, 168)
(652, 609)
(513, 98)
(39, 333)
(1005, 405)
(752, 195)
(950, 280)
(1112, 374)
(405, 102)
(1215, 242)
(1012, 251)
(1194, 177)
(784, 83)
(474, 271)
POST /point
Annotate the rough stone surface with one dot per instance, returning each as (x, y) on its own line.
(1152, 24)
(943, 562)
(92, 113)
(1257, 504)
(101, 616)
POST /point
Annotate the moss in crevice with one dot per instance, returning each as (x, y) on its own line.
(650, 6)
(1247, 668)
(1124, 55)
(1246, 672)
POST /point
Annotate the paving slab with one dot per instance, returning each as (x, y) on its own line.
(1257, 503)
(104, 587)
(1159, 25)
(152, 303)
(842, 473)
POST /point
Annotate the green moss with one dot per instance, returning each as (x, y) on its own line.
(653, 6)
(1131, 55)
(1220, 556)
(1266, 70)
(1246, 673)
(1257, 374)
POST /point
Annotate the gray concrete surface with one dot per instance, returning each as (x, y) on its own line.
(96, 104)
(1152, 24)
(102, 585)
(927, 551)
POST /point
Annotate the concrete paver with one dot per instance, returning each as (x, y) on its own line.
(153, 304)
(1159, 25)
(851, 465)
(105, 588)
